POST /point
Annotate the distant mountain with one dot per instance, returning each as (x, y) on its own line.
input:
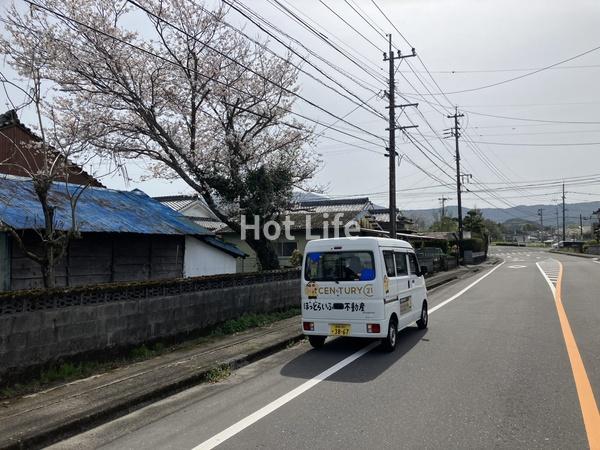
(526, 213)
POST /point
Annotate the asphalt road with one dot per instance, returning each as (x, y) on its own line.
(493, 369)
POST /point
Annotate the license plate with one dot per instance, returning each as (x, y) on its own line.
(339, 329)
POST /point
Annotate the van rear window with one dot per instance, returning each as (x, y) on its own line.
(339, 266)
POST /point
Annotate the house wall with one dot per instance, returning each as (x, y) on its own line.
(15, 158)
(198, 209)
(203, 259)
(249, 264)
(4, 262)
(103, 258)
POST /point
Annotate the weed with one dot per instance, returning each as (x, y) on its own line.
(218, 373)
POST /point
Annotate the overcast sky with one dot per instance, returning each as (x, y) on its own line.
(484, 42)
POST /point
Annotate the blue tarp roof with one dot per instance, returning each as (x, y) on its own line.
(98, 210)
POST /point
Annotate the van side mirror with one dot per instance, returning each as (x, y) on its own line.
(423, 271)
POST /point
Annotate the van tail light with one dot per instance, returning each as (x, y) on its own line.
(373, 328)
(308, 326)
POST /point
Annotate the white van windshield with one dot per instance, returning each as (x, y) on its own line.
(339, 266)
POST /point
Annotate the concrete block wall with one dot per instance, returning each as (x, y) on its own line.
(37, 337)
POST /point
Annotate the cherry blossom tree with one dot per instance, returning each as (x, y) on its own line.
(194, 99)
(46, 159)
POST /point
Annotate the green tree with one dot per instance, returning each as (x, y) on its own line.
(445, 224)
(494, 229)
(474, 222)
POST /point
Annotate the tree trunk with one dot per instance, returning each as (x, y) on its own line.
(265, 253)
(48, 274)
(47, 266)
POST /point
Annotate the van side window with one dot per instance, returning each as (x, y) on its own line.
(401, 268)
(388, 257)
(414, 264)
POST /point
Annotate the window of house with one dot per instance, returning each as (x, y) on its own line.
(285, 249)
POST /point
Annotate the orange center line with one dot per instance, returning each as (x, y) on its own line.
(587, 401)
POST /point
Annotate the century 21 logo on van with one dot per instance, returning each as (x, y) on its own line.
(313, 290)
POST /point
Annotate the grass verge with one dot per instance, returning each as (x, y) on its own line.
(66, 371)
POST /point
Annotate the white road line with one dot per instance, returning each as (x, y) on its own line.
(286, 398)
(597, 262)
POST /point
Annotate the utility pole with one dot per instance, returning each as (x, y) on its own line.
(444, 200)
(456, 134)
(564, 230)
(581, 226)
(541, 214)
(392, 131)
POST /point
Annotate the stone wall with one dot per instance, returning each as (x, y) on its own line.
(37, 327)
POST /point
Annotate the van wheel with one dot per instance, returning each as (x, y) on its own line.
(316, 341)
(389, 342)
(424, 320)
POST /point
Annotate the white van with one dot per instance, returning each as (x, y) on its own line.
(363, 287)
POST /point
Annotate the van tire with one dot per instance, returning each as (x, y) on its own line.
(316, 341)
(389, 342)
(424, 320)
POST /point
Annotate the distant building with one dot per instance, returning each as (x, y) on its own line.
(126, 236)
(319, 211)
(195, 209)
(382, 217)
(15, 158)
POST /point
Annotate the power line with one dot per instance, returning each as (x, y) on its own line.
(528, 119)
(361, 61)
(537, 133)
(579, 55)
(248, 68)
(291, 49)
(363, 16)
(350, 25)
(512, 144)
(461, 71)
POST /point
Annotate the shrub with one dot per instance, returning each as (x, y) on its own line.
(473, 244)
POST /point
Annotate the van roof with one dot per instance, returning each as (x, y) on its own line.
(354, 243)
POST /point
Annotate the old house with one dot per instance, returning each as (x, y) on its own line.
(125, 236)
(195, 209)
(17, 159)
(310, 217)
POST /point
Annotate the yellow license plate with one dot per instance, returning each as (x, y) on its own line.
(339, 329)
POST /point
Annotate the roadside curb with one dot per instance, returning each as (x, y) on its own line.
(89, 421)
(578, 255)
(455, 275)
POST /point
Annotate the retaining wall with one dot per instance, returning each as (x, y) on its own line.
(37, 327)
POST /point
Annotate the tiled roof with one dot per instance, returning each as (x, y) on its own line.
(383, 215)
(178, 202)
(350, 208)
(208, 223)
(332, 206)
